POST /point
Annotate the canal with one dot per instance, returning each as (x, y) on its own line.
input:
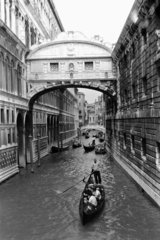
(34, 207)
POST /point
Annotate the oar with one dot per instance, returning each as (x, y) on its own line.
(76, 183)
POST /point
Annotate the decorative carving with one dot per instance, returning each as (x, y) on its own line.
(71, 49)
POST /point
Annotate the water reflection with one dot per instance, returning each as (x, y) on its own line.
(33, 206)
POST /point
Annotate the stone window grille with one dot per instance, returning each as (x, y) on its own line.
(88, 65)
(125, 95)
(158, 156)
(124, 141)
(144, 85)
(144, 149)
(144, 36)
(54, 67)
(132, 144)
(158, 78)
(133, 91)
(118, 138)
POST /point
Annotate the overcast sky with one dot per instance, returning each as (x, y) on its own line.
(94, 17)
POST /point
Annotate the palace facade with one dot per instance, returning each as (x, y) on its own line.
(25, 25)
(133, 122)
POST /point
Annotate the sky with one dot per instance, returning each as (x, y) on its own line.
(105, 18)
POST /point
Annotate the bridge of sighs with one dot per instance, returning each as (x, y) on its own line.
(71, 61)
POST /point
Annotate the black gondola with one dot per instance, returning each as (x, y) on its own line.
(89, 147)
(55, 148)
(76, 144)
(86, 210)
(99, 149)
(87, 135)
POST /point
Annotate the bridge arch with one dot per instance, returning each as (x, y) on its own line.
(70, 61)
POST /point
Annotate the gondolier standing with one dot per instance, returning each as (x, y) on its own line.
(96, 172)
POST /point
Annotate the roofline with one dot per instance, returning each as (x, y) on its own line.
(54, 42)
(54, 9)
(127, 24)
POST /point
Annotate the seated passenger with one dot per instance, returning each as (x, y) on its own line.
(98, 194)
(85, 200)
(93, 200)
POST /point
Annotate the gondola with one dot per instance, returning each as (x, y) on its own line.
(55, 148)
(76, 144)
(86, 210)
(101, 138)
(100, 150)
(89, 147)
(87, 135)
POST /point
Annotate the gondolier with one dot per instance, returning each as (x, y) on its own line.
(96, 172)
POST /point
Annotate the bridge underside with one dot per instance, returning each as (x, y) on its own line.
(37, 92)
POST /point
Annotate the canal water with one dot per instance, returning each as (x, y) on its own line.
(34, 207)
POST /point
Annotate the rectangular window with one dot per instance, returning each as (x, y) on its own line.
(9, 136)
(13, 135)
(2, 115)
(158, 156)
(158, 78)
(144, 86)
(54, 67)
(144, 148)
(133, 91)
(88, 65)
(132, 144)
(7, 116)
(124, 140)
(144, 36)
(125, 95)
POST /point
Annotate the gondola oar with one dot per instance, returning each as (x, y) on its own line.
(77, 183)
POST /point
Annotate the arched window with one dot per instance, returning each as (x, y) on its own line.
(12, 76)
(6, 74)
(1, 71)
(19, 87)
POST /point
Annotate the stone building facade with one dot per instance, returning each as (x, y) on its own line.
(81, 104)
(133, 122)
(25, 25)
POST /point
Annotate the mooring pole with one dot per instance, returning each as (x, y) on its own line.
(38, 141)
(31, 153)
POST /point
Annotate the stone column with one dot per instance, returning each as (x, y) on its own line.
(17, 22)
(2, 12)
(13, 17)
(7, 13)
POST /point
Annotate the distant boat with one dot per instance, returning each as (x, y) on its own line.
(100, 149)
(89, 147)
(87, 135)
(55, 148)
(76, 144)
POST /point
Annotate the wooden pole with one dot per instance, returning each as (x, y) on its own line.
(31, 153)
(38, 136)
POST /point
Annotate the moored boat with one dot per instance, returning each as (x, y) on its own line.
(89, 147)
(87, 135)
(86, 210)
(55, 148)
(100, 149)
(76, 144)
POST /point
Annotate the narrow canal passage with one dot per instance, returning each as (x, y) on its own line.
(33, 207)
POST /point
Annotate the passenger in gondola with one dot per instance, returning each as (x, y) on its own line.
(85, 200)
(93, 141)
(92, 199)
(96, 172)
(98, 194)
